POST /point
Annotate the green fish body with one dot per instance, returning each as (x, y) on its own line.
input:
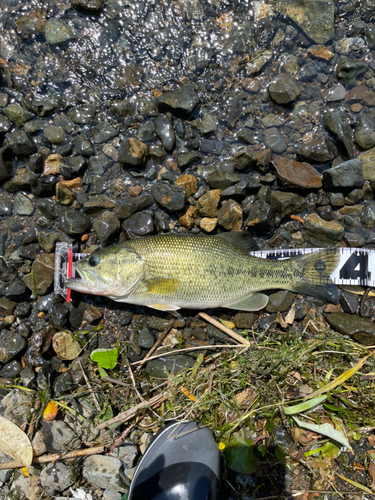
(169, 272)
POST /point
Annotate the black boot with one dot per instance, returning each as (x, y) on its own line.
(181, 463)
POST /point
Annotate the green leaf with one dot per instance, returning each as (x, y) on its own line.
(105, 414)
(238, 452)
(330, 450)
(106, 358)
(326, 430)
(291, 410)
(333, 407)
(102, 372)
(197, 365)
(357, 485)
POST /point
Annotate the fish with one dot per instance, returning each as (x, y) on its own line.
(185, 271)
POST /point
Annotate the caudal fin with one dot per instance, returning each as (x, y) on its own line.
(315, 271)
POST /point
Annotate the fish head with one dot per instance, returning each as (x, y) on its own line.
(113, 272)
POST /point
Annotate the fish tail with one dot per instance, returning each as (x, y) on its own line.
(314, 274)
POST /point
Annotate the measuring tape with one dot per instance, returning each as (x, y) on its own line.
(356, 265)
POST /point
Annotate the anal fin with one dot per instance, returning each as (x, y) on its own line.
(253, 302)
(164, 307)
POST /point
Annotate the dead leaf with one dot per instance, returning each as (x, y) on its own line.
(371, 440)
(289, 318)
(50, 411)
(371, 471)
(281, 320)
(15, 443)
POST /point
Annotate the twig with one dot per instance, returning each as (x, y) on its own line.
(114, 381)
(128, 414)
(224, 329)
(93, 395)
(198, 348)
(124, 434)
(14, 464)
(158, 342)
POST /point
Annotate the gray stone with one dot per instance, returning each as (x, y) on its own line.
(261, 217)
(208, 123)
(20, 143)
(347, 174)
(320, 232)
(186, 160)
(173, 364)
(89, 6)
(171, 197)
(368, 213)
(348, 70)
(319, 150)
(5, 473)
(11, 344)
(364, 134)
(287, 203)
(211, 146)
(280, 301)
(181, 102)
(105, 472)
(133, 152)
(106, 226)
(83, 113)
(284, 89)
(102, 132)
(15, 406)
(23, 205)
(361, 329)
(127, 453)
(56, 478)
(335, 93)
(112, 495)
(139, 224)
(337, 124)
(84, 146)
(164, 130)
(274, 140)
(54, 134)
(146, 340)
(72, 222)
(58, 436)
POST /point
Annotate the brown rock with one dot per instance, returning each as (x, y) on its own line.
(189, 183)
(208, 203)
(246, 398)
(362, 94)
(52, 164)
(296, 174)
(321, 52)
(187, 220)
(230, 215)
(208, 224)
(43, 271)
(65, 345)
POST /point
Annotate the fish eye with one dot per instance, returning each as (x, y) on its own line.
(93, 260)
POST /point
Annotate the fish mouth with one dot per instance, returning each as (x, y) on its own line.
(83, 281)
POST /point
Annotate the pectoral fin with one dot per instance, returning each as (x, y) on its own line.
(163, 307)
(253, 302)
(161, 286)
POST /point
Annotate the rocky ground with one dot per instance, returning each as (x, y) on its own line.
(125, 119)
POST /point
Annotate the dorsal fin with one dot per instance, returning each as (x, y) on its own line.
(240, 239)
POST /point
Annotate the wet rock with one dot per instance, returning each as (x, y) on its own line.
(164, 130)
(230, 215)
(83, 146)
(284, 89)
(347, 174)
(54, 134)
(247, 136)
(295, 174)
(261, 217)
(146, 340)
(316, 19)
(89, 6)
(48, 240)
(208, 203)
(320, 232)
(127, 209)
(361, 94)
(57, 31)
(208, 224)
(361, 329)
(47, 208)
(211, 146)
(368, 213)
(280, 301)
(287, 203)
(186, 160)
(11, 370)
(173, 364)
(11, 344)
(81, 114)
(44, 185)
(208, 123)
(139, 224)
(364, 134)
(189, 183)
(55, 478)
(95, 205)
(105, 472)
(20, 143)
(348, 70)
(321, 52)
(23, 205)
(106, 227)
(103, 132)
(368, 164)
(180, 102)
(17, 114)
(319, 150)
(64, 195)
(173, 198)
(72, 222)
(258, 60)
(245, 158)
(335, 93)
(274, 140)
(349, 301)
(58, 436)
(337, 124)
(133, 152)
(6, 307)
(43, 273)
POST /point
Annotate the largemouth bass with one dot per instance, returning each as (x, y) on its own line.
(169, 272)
